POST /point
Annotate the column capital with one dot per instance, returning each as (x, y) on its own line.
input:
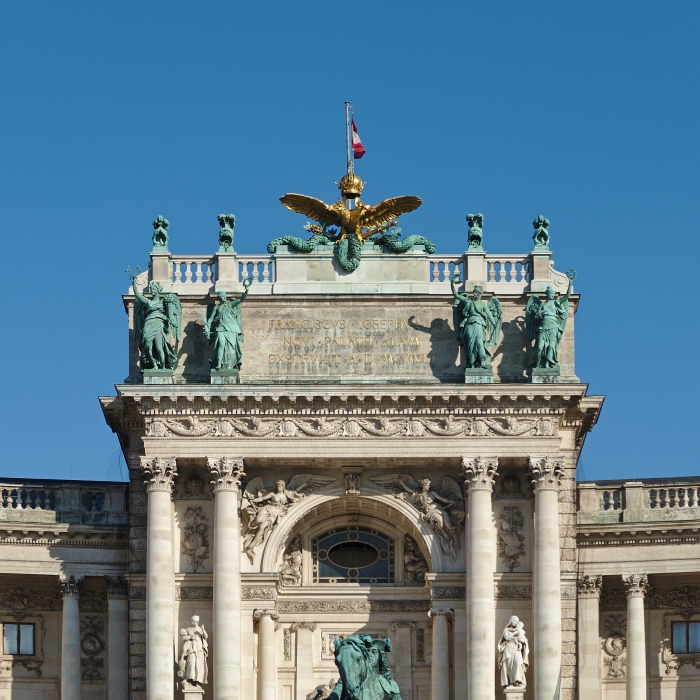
(401, 623)
(449, 614)
(159, 473)
(226, 473)
(300, 625)
(546, 473)
(116, 587)
(636, 585)
(71, 586)
(259, 614)
(479, 473)
(589, 586)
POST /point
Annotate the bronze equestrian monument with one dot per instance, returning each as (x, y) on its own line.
(352, 466)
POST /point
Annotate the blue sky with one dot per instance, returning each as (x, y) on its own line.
(113, 113)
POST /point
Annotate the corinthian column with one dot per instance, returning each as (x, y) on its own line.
(159, 475)
(589, 588)
(440, 666)
(70, 638)
(226, 476)
(479, 474)
(546, 474)
(117, 638)
(636, 586)
(267, 654)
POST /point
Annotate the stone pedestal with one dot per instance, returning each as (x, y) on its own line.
(514, 693)
(545, 376)
(474, 375)
(225, 376)
(191, 692)
(158, 376)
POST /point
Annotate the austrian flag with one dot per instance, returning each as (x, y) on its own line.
(358, 150)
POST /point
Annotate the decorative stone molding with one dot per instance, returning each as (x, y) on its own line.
(590, 586)
(511, 487)
(159, 474)
(20, 602)
(615, 647)
(193, 488)
(260, 593)
(479, 473)
(139, 592)
(93, 601)
(636, 585)
(195, 537)
(259, 614)
(684, 599)
(303, 625)
(116, 587)
(546, 473)
(71, 586)
(511, 544)
(354, 427)
(448, 592)
(352, 606)
(194, 593)
(91, 645)
(513, 592)
(226, 473)
(612, 599)
(420, 645)
(401, 623)
(287, 643)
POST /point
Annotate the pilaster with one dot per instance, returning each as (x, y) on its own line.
(589, 589)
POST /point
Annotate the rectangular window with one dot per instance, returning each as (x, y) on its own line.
(18, 639)
(686, 637)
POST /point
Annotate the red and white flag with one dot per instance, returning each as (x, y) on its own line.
(358, 150)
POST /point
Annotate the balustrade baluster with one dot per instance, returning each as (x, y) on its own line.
(266, 272)
(188, 273)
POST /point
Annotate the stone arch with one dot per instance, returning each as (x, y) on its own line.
(400, 515)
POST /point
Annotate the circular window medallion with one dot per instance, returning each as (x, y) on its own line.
(353, 555)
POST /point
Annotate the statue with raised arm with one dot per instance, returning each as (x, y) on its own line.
(513, 654)
(545, 322)
(477, 324)
(154, 320)
(223, 328)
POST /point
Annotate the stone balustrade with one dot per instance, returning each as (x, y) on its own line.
(646, 500)
(97, 503)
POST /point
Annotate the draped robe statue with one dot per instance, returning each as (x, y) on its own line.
(513, 654)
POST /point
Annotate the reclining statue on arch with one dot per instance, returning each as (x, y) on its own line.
(364, 671)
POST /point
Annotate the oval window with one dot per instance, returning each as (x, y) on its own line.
(353, 555)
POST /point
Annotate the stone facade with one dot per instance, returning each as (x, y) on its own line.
(351, 394)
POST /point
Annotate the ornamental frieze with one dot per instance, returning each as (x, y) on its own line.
(17, 600)
(352, 606)
(355, 427)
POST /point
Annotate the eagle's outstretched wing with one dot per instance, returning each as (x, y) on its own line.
(308, 482)
(398, 483)
(387, 210)
(314, 208)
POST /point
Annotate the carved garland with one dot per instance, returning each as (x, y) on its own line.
(355, 427)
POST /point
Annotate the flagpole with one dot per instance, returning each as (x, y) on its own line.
(348, 137)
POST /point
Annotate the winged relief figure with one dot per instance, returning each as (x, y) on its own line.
(545, 322)
(442, 507)
(267, 507)
(154, 320)
(477, 324)
(347, 226)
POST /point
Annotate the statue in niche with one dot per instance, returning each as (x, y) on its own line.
(290, 571)
(545, 322)
(414, 565)
(223, 327)
(192, 667)
(513, 654)
(154, 320)
(442, 508)
(474, 320)
(264, 510)
(364, 669)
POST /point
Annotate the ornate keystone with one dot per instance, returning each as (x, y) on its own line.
(636, 585)
(227, 223)
(226, 473)
(159, 474)
(546, 473)
(590, 586)
(479, 473)
(71, 586)
(116, 587)
(259, 614)
(160, 234)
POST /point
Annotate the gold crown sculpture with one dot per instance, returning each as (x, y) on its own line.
(350, 186)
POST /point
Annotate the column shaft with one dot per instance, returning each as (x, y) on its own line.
(440, 666)
(117, 648)
(70, 641)
(267, 655)
(636, 638)
(402, 659)
(305, 659)
(479, 476)
(589, 638)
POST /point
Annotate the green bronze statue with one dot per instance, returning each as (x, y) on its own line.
(223, 328)
(545, 322)
(154, 320)
(364, 671)
(477, 325)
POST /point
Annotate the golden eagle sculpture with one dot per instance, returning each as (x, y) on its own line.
(347, 223)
